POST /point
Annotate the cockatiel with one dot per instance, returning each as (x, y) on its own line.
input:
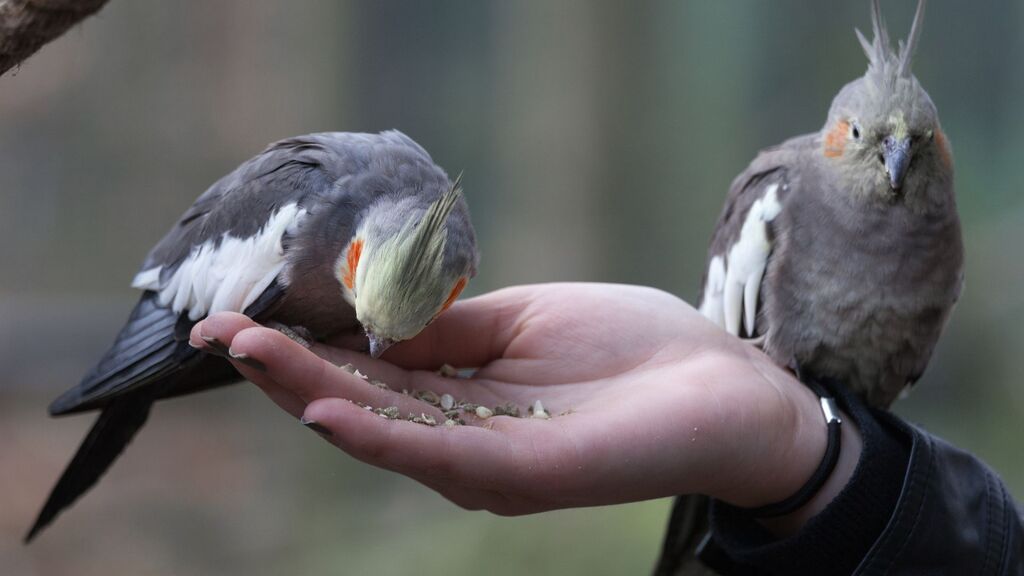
(329, 232)
(839, 252)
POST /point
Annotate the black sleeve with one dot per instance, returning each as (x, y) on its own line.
(915, 504)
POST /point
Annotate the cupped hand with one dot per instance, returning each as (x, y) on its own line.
(647, 399)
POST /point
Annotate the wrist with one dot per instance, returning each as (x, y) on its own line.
(787, 449)
(783, 447)
(847, 516)
(782, 462)
(851, 446)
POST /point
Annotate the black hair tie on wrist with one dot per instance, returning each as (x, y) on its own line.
(828, 462)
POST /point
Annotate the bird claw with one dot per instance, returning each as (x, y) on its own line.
(299, 334)
(756, 342)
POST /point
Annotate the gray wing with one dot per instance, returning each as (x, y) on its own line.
(299, 170)
(741, 244)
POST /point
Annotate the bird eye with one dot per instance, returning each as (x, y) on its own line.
(855, 130)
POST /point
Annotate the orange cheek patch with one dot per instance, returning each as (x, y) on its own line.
(455, 293)
(355, 250)
(943, 146)
(835, 139)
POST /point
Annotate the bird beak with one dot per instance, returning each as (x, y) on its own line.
(896, 156)
(378, 345)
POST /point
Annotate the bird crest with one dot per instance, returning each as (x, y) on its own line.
(886, 65)
(408, 283)
(427, 243)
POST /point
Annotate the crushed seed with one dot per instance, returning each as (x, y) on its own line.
(452, 423)
(359, 374)
(391, 412)
(349, 368)
(538, 411)
(428, 396)
(483, 412)
(426, 419)
(507, 409)
(447, 371)
(379, 384)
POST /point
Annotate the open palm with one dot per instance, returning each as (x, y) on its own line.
(647, 399)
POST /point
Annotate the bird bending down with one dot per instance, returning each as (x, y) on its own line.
(328, 232)
(839, 252)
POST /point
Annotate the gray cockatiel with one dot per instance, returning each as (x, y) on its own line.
(332, 232)
(839, 252)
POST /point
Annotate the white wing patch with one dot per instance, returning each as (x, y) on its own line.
(734, 279)
(229, 276)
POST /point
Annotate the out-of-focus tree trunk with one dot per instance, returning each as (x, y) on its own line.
(26, 25)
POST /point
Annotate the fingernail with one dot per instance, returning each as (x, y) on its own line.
(315, 427)
(250, 362)
(216, 346)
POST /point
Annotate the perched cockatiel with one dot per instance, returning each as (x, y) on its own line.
(839, 252)
(329, 232)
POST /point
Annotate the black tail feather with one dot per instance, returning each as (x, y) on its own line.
(113, 430)
(686, 528)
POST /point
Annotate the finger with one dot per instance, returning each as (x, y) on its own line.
(215, 332)
(215, 335)
(302, 373)
(470, 334)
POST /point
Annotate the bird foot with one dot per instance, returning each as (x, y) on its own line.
(757, 342)
(299, 334)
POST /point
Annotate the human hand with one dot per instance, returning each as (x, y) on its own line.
(654, 401)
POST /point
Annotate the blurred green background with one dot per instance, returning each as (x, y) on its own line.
(597, 139)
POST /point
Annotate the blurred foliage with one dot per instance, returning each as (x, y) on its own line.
(597, 139)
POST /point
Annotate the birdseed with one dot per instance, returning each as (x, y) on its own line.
(426, 419)
(449, 406)
(447, 371)
(447, 402)
(428, 396)
(507, 409)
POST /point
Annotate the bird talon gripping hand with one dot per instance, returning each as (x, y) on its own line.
(330, 232)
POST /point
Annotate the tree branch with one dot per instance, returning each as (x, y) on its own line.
(26, 25)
